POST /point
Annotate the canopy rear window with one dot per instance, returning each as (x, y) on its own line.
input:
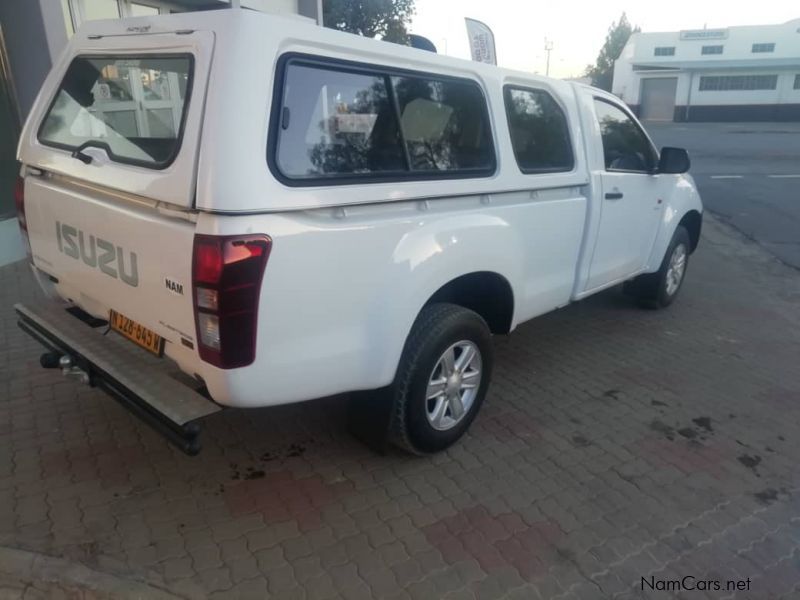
(134, 107)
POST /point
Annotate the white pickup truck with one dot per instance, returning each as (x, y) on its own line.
(283, 212)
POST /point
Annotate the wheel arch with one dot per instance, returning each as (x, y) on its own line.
(692, 221)
(485, 292)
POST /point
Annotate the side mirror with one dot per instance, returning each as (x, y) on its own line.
(674, 161)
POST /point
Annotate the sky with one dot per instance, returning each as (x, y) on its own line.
(577, 28)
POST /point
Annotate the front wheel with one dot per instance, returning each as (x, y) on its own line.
(659, 289)
(442, 378)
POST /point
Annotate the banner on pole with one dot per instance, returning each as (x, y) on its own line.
(481, 42)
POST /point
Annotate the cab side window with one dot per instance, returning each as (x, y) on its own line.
(539, 132)
(625, 146)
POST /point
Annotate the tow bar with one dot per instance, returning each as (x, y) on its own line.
(55, 360)
(143, 384)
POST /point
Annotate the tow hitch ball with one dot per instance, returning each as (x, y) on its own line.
(56, 360)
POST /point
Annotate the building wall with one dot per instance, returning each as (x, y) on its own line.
(780, 104)
(784, 93)
(638, 62)
(34, 31)
(737, 44)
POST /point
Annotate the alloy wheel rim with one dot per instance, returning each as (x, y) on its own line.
(453, 385)
(676, 270)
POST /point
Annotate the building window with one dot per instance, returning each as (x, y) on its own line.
(797, 81)
(98, 9)
(143, 10)
(69, 23)
(665, 51)
(711, 50)
(727, 83)
(77, 12)
(758, 48)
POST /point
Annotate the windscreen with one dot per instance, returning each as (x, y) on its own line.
(131, 106)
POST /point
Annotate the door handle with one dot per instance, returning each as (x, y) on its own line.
(614, 195)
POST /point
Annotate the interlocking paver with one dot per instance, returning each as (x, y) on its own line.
(615, 443)
(242, 568)
(216, 579)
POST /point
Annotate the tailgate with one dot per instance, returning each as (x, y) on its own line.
(108, 253)
(124, 112)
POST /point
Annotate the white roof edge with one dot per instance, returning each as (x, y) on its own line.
(212, 20)
(722, 28)
(716, 64)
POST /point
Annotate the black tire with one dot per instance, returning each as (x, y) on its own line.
(436, 329)
(653, 289)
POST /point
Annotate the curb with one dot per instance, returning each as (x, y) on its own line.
(26, 569)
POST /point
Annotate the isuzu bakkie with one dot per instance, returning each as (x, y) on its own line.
(281, 212)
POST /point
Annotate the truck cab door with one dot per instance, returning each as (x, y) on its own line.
(630, 204)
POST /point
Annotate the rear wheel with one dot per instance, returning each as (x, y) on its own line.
(659, 289)
(442, 378)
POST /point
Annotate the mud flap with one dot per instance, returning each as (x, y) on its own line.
(369, 416)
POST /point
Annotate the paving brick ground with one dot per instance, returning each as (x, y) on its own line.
(616, 444)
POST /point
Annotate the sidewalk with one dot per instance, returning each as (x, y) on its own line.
(32, 576)
(617, 444)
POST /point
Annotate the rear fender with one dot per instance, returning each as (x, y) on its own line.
(431, 257)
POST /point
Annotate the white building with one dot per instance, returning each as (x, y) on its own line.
(735, 74)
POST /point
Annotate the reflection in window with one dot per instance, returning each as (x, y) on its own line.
(337, 123)
(444, 124)
(334, 122)
(625, 146)
(132, 105)
(66, 10)
(143, 10)
(99, 9)
(539, 132)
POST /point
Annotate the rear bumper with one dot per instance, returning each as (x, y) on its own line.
(144, 384)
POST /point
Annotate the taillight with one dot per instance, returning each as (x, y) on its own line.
(19, 203)
(226, 284)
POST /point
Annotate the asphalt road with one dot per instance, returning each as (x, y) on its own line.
(748, 175)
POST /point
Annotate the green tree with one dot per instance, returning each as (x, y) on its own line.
(371, 18)
(602, 72)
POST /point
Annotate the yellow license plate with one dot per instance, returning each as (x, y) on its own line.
(138, 334)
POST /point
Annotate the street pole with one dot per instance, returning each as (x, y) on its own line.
(548, 48)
